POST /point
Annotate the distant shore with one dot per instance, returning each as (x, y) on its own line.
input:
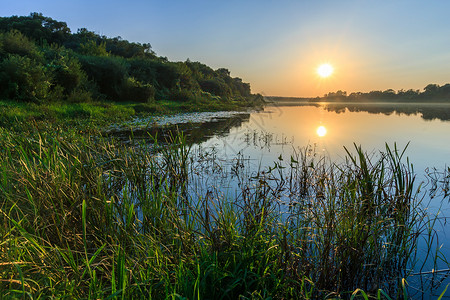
(348, 100)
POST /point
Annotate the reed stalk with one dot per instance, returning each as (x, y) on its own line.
(90, 217)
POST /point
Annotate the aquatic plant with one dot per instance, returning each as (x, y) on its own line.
(90, 217)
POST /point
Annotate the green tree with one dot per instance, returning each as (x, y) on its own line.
(431, 89)
(37, 27)
(14, 42)
(136, 91)
(108, 73)
(216, 87)
(94, 49)
(62, 65)
(24, 79)
(68, 74)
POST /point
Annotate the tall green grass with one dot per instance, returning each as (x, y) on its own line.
(86, 217)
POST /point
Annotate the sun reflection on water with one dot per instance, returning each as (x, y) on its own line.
(321, 131)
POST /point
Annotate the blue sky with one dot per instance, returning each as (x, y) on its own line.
(277, 45)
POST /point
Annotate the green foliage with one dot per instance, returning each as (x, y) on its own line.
(432, 92)
(43, 61)
(79, 95)
(435, 91)
(24, 79)
(14, 42)
(37, 27)
(186, 79)
(67, 73)
(84, 217)
(200, 71)
(91, 48)
(144, 70)
(136, 91)
(242, 88)
(216, 87)
(118, 46)
(149, 108)
(108, 73)
(181, 95)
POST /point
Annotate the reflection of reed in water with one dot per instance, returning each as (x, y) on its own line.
(264, 140)
(195, 133)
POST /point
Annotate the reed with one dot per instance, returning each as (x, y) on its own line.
(90, 217)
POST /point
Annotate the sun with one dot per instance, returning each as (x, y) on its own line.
(325, 70)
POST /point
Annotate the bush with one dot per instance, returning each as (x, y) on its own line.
(181, 95)
(134, 90)
(144, 70)
(23, 79)
(216, 87)
(67, 73)
(14, 42)
(149, 108)
(92, 48)
(79, 95)
(108, 73)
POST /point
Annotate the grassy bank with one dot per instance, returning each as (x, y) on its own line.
(85, 217)
(21, 116)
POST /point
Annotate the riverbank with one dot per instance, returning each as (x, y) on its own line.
(92, 115)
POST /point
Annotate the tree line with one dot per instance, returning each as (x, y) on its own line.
(432, 92)
(42, 60)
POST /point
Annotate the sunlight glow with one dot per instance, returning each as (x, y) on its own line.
(325, 70)
(321, 131)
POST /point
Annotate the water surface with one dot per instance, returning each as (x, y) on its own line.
(278, 129)
(260, 138)
(421, 130)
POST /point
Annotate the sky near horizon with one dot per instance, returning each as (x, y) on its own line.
(277, 46)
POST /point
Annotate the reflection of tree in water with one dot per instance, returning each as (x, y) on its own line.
(194, 132)
(427, 112)
(199, 132)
